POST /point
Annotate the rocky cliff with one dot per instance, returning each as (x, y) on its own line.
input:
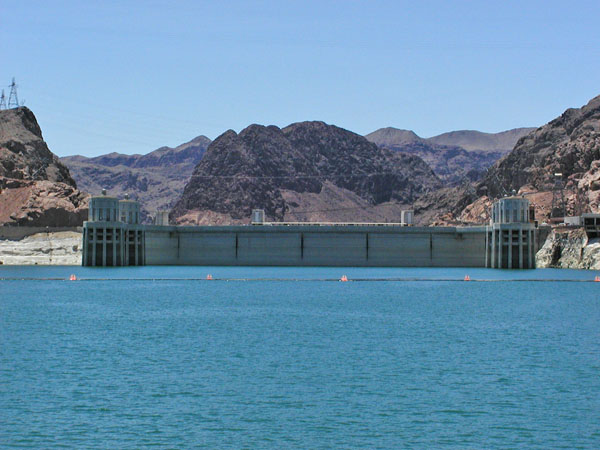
(156, 179)
(23, 153)
(306, 171)
(569, 249)
(455, 157)
(41, 203)
(36, 189)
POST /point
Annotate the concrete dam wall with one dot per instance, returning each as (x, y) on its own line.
(330, 245)
(114, 237)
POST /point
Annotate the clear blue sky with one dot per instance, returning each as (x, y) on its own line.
(131, 76)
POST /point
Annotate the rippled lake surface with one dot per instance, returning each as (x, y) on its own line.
(285, 358)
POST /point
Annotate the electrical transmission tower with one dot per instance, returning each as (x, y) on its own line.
(558, 197)
(3, 100)
(13, 100)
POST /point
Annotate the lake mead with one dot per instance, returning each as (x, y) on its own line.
(281, 357)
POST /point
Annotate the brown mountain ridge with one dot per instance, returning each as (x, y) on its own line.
(568, 145)
(307, 171)
(155, 179)
(456, 157)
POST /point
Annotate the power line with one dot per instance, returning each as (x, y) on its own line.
(111, 108)
(296, 177)
(85, 132)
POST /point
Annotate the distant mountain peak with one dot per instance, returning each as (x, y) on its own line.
(390, 136)
(472, 140)
(200, 138)
(456, 156)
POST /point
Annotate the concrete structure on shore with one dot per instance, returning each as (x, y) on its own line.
(109, 242)
(511, 238)
(591, 223)
(113, 236)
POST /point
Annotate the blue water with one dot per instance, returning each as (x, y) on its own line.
(177, 363)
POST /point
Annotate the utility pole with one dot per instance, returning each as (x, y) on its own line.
(13, 100)
(3, 100)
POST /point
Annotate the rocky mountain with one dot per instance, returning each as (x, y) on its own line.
(36, 189)
(156, 179)
(24, 155)
(472, 140)
(308, 171)
(568, 145)
(455, 157)
(394, 138)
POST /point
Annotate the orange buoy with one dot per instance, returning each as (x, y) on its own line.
(467, 278)
(209, 277)
(597, 279)
(344, 278)
(72, 277)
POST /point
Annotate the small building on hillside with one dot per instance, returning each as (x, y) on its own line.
(591, 223)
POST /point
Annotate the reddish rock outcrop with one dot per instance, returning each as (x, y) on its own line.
(41, 203)
(36, 189)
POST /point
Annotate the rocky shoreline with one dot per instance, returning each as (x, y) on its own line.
(62, 248)
(569, 249)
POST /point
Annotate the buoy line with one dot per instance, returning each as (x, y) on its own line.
(343, 278)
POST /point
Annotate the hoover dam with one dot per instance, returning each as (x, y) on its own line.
(113, 237)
